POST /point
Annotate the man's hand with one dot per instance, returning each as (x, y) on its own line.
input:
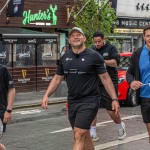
(7, 117)
(135, 85)
(116, 107)
(44, 102)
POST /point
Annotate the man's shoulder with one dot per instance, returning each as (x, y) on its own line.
(111, 46)
(92, 51)
(67, 53)
(93, 46)
(137, 52)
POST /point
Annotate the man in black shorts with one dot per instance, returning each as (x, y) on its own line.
(7, 96)
(82, 68)
(112, 59)
(138, 76)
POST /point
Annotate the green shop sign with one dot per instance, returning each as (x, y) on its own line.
(48, 15)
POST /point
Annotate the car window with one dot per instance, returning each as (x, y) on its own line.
(124, 62)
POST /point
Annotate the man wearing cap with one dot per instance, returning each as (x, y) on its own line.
(82, 68)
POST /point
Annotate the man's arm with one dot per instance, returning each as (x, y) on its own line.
(51, 89)
(11, 98)
(10, 101)
(111, 63)
(130, 75)
(107, 82)
(115, 58)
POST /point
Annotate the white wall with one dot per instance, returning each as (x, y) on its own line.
(127, 8)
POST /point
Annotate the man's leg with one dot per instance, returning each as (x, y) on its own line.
(82, 140)
(93, 133)
(116, 119)
(120, 124)
(148, 130)
(89, 143)
(81, 118)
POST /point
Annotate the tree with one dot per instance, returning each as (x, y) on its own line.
(90, 16)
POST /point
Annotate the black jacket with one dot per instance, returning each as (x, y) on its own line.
(133, 72)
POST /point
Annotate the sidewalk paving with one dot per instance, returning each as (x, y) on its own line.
(30, 99)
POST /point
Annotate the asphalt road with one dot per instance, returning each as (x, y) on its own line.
(36, 129)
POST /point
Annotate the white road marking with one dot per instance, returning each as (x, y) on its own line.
(124, 118)
(29, 112)
(99, 124)
(119, 142)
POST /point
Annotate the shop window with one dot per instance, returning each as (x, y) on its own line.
(24, 55)
(47, 54)
(5, 51)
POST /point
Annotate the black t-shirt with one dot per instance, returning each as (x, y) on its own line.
(6, 83)
(108, 52)
(81, 72)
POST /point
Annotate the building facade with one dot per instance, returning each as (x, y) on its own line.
(132, 16)
(30, 45)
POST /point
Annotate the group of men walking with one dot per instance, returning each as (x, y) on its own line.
(91, 78)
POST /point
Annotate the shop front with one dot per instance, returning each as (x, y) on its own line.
(30, 56)
(30, 43)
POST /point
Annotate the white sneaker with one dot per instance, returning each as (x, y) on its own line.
(95, 139)
(122, 132)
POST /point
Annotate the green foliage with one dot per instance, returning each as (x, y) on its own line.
(94, 17)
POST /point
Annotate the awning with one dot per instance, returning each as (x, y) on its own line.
(20, 35)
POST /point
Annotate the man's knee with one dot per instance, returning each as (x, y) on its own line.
(148, 127)
(80, 134)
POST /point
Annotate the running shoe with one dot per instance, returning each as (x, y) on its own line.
(95, 139)
(122, 132)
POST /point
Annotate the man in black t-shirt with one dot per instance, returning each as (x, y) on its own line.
(7, 96)
(82, 68)
(112, 59)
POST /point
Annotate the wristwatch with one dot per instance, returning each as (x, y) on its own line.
(9, 110)
(115, 99)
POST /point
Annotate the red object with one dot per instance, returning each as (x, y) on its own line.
(123, 86)
(66, 104)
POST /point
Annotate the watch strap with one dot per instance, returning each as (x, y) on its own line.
(9, 110)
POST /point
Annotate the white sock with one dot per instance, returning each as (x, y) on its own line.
(93, 131)
(119, 126)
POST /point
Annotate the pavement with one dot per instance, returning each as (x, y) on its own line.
(31, 99)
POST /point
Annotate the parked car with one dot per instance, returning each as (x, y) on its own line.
(126, 95)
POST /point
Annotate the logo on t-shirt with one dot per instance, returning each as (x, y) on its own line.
(68, 59)
(10, 82)
(105, 54)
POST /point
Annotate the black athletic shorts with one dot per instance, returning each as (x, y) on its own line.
(105, 100)
(82, 114)
(145, 109)
(4, 124)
